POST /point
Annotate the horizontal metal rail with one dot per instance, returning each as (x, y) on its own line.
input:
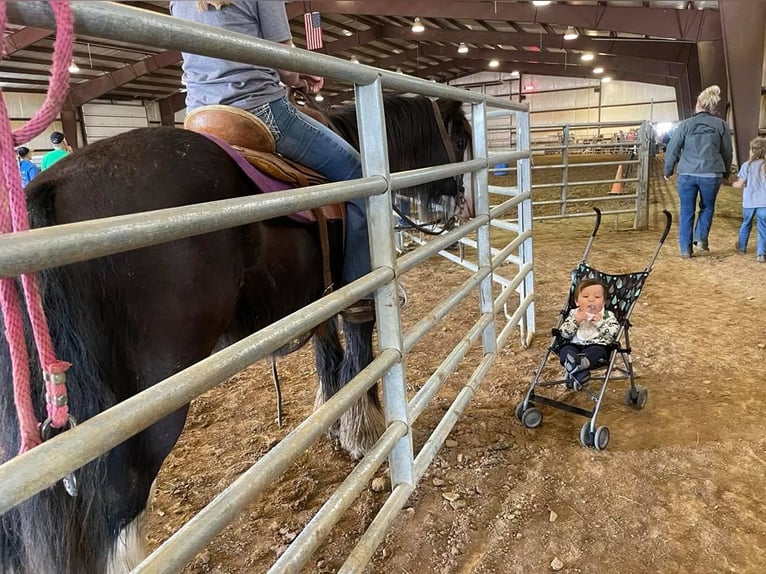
(68, 451)
(420, 401)
(578, 164)
(38, 249)
(125, 23)
(318, 528)
(362, 553)
(584, 183)
(415, 333)
(186, 542)
(447, 422)
(612, 197)
(586, 214)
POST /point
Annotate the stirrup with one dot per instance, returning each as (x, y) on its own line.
(363, 311)
(360, 312)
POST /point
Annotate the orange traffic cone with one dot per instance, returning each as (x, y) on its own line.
(617, 186)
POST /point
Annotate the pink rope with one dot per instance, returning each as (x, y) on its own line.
(14, 217)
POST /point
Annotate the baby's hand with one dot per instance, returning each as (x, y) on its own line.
(581, 316)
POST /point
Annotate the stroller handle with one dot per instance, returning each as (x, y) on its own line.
(597, 223)
(668, 223)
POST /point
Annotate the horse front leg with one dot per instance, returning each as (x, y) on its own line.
(359, 428)
(328, 356)
(361, 425)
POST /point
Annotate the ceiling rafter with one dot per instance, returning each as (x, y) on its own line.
(86, 91)
(691, 25)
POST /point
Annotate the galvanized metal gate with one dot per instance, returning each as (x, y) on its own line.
(24, 476)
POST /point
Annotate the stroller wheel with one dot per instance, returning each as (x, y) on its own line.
(637, 399)
(519, 410)
(601, 438)
(643, 395)
(586, 437)
(531, 418)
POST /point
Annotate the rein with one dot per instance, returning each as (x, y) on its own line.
(14, 217)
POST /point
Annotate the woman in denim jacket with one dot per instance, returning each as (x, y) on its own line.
(701, 146)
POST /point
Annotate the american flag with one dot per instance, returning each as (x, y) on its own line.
(313, 22)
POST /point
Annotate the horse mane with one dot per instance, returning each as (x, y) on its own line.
(410, 142)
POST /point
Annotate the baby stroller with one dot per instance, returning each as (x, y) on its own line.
(622, 293)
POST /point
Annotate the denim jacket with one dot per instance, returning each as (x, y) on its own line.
(700, 144)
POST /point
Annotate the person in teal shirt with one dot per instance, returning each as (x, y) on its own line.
(60, 150)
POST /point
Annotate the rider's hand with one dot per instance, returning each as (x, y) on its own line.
(313, 83)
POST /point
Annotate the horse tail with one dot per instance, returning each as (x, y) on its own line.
(52, 531)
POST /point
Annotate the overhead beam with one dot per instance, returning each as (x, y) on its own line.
(610, 63)
(87, 91)
(460, 68)
(691, 25)
(23, 38)
(656, 50)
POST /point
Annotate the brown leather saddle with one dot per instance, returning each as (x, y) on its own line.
(251, 137)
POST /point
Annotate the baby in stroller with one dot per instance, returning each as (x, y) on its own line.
(589, 329)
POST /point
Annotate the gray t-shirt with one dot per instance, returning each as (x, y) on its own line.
(754, 174)
(214, 81)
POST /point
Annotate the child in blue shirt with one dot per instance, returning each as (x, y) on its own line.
(27, 169)
(752, 176)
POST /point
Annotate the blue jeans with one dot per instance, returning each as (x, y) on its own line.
(308, 142)
(689, 188)
(750, 214)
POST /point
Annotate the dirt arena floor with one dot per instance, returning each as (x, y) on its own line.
(679, 489)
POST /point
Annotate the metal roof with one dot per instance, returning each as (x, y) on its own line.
(631, 39)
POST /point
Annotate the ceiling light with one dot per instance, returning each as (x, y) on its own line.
(348, 33)
(399, 71)
(606, 79)
(354, 59)
(587, 57)
(462, 48)
(515, 74)
(571, 33)
(541, 2)
(417, 26)
(73, 68)
(598, 70)
(493, 63)
(319, 98)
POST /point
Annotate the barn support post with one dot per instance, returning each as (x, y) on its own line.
(524, 210)
(564, 170)
(646, 139)
(69, 126)
(372, 142)
(479, 184)
(742, 23)
(713, 71)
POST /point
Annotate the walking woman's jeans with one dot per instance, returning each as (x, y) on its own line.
(308, 142)
(749, 214)
(689, 188)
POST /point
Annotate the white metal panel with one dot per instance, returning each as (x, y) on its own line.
(115, 110)
(103, 120)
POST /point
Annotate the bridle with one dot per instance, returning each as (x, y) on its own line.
(444, 132)
(427, 228)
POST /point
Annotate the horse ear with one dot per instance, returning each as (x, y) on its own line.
(449, 108)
